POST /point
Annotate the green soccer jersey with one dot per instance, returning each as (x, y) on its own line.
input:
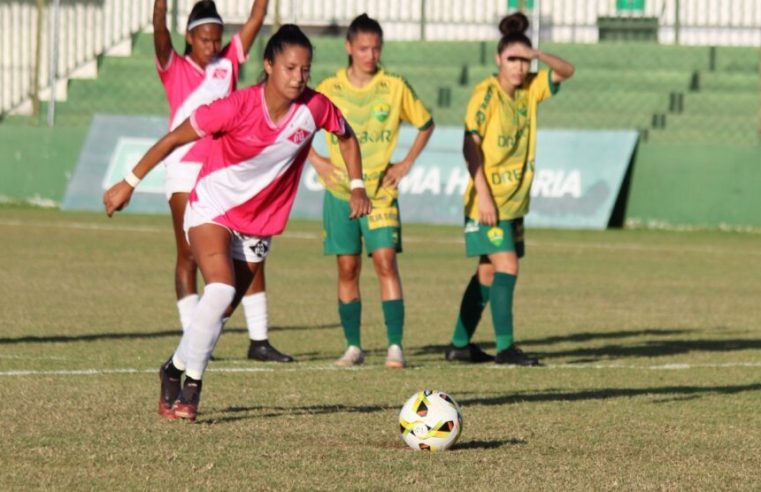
(375, 113)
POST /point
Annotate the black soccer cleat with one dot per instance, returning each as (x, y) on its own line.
(170, 390)
(263, 351)
(470, 353)
(186, 406)
(515, 356)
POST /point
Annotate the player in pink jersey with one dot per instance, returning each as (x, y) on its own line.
(244, 193)
(206, 72)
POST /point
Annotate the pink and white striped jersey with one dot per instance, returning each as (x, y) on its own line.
(188, 86)
(251, 174)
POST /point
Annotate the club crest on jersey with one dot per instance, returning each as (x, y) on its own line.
(299, 136)
(219, 73)
(380, 111)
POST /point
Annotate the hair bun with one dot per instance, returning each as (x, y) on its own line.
(513, 23)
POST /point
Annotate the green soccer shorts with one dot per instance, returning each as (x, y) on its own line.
(382, 228)
(481, 239)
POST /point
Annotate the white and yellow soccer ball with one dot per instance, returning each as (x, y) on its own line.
(431, 421)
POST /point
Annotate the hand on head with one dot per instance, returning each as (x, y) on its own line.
(520, 51)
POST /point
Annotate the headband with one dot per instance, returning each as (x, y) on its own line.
(205, 20)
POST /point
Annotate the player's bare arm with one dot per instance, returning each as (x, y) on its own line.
(471, 149)
(162, 40)
(561, 69)
(329, 173)
(118, 196)
(395, 172)
(358, 202)
(253, 25)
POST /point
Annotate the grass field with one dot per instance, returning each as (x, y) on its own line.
(652, 342)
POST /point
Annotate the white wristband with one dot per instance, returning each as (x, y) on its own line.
(356, 183)
(131, 179)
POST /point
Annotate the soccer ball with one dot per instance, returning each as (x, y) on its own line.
(431, 421)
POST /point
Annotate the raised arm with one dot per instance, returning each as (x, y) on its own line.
(118, 196)
(561, 69)
(254, 23)
(162, 40)
(358, 202)
(471, 149)
(396, 172)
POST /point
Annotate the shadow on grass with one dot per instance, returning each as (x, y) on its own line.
(666, 393)
(575, 337)
(497, 443)
(93, 337)
(656, 348)
(651, 347)
(236, 413)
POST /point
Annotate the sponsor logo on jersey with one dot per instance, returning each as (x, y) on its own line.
(299, 136)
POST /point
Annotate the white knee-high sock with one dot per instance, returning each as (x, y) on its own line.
(255, 310)
(199, 340)
(185, 306)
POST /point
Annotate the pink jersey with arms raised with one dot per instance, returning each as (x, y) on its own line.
(249, 180)
(189, 86)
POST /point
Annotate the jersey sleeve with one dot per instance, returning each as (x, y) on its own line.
(218, 117)
(479, 111)
(541, 86)
(233, 51)
(413, 110)
(327, 115)
(166, 73)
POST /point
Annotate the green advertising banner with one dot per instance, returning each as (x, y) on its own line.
(630, 5)
(520, 4)
(577, 181)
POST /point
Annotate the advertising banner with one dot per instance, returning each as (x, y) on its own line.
(577, 181)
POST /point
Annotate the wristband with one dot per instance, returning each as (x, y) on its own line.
(356, 183)
(131, 179)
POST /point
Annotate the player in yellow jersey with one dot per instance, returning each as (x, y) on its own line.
(499, 148)
(374, 103)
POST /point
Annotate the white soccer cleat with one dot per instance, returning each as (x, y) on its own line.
(353, 356)
(395, 357)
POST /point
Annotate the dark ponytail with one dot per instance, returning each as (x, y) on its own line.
(203, 10)
(288, 34)
(366, 24)
(513, 28)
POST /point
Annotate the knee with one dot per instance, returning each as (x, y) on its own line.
(348, 272)
(385, 267)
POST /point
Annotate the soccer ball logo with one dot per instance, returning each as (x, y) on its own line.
(431, 421)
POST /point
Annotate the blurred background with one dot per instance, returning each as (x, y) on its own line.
(683, 73)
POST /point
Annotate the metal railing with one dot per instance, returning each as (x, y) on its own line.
(43, 43)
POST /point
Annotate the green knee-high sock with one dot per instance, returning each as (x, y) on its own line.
(474, 301)
(351, 319)
(501, 298)
(393, 314)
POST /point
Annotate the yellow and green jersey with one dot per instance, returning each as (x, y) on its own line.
(507, 128)
(375, 113)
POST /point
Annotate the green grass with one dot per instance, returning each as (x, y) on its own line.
(651, 341)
